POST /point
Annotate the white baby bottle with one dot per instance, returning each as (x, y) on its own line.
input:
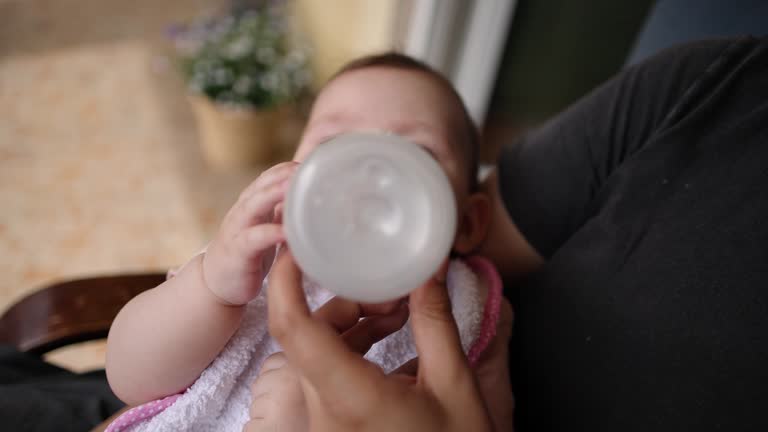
(369, 216)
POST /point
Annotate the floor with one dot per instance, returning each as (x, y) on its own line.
(100, 171)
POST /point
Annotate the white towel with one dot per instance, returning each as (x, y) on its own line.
(219, 400)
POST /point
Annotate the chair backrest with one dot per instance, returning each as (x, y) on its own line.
(70, 312)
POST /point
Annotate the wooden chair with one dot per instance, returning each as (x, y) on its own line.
(71, 312)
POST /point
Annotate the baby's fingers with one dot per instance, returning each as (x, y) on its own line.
(257, 207)
(257, 202)
(255, 240)
(276, 174)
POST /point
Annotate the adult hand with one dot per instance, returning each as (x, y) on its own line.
(278, 402)
(492, 372)
(277, 399)
(504, 244)
(344, 392)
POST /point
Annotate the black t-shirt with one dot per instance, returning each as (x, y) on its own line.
(649, 201)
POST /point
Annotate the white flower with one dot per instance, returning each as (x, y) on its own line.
(295, 59)
(239, 48)
(243, 53)
(243, 85)
(266, 54)
(222, 76)
(269, 81)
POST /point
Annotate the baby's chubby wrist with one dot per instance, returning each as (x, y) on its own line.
(228, 278)
(193, 274)
(212, 286)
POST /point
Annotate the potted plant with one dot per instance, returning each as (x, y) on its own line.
(242, 70)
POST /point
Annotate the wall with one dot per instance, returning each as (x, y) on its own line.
(340, 30)
(558, 50)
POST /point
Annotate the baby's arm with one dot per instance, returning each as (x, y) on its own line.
(164, 338)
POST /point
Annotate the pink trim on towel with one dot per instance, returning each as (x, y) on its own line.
(484, 268)
(141, 413)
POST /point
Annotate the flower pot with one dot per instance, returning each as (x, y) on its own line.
(234, 138)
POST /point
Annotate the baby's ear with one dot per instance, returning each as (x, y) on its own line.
(473, 224)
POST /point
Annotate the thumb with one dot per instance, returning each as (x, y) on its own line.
(441, 360)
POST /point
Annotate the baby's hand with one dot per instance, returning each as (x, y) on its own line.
(239, 258)
(277, 399)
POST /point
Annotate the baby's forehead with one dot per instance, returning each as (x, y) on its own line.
(403, 100)
(410, 103)
(435, 139)
(396, 82)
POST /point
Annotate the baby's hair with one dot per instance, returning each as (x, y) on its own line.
(468, 148)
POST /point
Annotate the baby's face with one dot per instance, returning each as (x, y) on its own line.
(407, 103)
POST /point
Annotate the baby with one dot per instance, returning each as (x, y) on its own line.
(165, 338)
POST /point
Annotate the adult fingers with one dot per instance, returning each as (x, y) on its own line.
(267, 381)
(275, 361)
(506, 321)
(370, 330)
(442, 362)
(254, 425)
(343, 314)
(312, 346)
(410, 368)
(492, 373)
(275, 387)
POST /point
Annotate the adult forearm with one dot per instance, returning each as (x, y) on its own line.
(164, 338)
(504, 244)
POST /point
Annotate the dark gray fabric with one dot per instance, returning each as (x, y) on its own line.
(649, 199)
(36, 396)
(672, 22)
